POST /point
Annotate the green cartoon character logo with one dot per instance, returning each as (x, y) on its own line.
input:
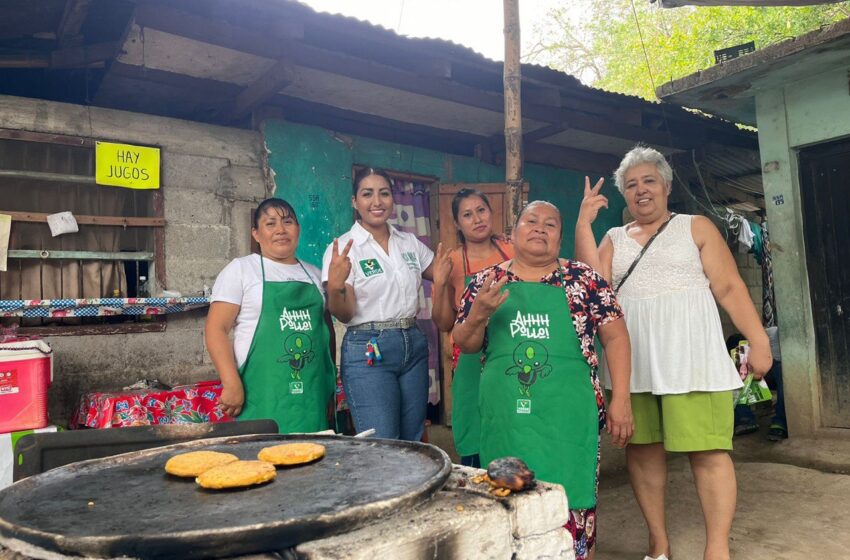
(299, 350)
(530, 364)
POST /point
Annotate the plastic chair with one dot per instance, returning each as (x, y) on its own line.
(36, 453)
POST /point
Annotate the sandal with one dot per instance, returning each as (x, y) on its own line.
(777, 432)
(744, 429)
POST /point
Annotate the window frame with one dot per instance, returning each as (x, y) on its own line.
(158, 322)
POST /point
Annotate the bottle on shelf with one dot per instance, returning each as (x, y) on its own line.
(144, 289)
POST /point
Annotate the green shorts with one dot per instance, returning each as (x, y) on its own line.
(698, 421)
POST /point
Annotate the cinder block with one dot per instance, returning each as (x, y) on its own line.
(557, 544)
(188, 275)
(186, 171)
(454, 524)
(241, 215)
(193, 320)
(539, 511)
(23, 113)
(203, 241)
(243, 182)
(240, 147)
(185, 206)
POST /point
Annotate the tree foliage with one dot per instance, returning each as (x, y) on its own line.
(602, 42)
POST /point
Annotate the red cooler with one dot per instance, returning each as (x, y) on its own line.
(26, 371)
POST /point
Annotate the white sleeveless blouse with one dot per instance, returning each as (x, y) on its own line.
(674, 326)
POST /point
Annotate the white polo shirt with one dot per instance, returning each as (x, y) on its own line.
(386, 286)
(241, 283)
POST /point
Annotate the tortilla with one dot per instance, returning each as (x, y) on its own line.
(288, 454)
(196, 462)
(237, 475)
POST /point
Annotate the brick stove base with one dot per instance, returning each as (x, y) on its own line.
(462, 521)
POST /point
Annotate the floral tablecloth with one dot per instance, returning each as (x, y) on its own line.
(98, 307)
(181, 405)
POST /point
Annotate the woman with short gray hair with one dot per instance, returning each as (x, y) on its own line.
(669, 272)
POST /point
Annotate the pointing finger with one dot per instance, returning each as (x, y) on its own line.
(587, 190)
(336, 247)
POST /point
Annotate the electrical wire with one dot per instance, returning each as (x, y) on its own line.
(400, 14)
(724, 218)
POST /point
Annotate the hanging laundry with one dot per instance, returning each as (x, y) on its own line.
(757, 242)
(768, 293)
(745, 237)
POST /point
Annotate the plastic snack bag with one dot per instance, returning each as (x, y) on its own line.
(753, 391)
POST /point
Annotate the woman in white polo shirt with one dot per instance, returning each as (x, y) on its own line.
(279, 365)
(373, 274)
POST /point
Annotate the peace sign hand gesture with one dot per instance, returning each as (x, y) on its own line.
(592, 201)
(489, 296)
(340, 266)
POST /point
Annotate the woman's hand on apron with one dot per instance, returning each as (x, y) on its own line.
(232, 398)
(490, 296)
(620, 424)
(442, 265)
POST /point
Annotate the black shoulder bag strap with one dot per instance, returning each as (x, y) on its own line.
(642, 253)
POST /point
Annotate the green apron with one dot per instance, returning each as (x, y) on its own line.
(466, 420)
(288, 375)
(537, 399)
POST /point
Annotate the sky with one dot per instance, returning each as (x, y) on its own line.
(473, 23)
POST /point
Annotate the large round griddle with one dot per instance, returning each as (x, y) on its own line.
(128, 506)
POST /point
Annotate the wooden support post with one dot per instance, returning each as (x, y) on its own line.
(512, 79)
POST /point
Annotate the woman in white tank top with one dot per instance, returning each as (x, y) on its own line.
(682, 377)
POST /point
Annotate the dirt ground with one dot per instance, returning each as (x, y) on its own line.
(793, 501)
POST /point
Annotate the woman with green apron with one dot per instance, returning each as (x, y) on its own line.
(480, 248)
(534, 318)
(279, 365)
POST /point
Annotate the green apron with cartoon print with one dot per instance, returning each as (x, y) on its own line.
(288, 375)
(466, 420)
(537, 400)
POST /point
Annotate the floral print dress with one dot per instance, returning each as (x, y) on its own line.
(592, 304)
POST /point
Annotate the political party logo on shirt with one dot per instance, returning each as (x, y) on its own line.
(531, 363)
(371, 267)
(530, 325)
(295, 320)
(298, 348)
(523, 406)
(411, 260)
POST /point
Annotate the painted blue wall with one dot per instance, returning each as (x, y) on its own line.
(312, 168)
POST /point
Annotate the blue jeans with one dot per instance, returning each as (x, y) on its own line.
(391, 395)
(471, 461)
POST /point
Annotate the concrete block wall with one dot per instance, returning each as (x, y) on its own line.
(750, 272)
(212, 177)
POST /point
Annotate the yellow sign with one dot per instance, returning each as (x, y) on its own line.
(125, 165)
